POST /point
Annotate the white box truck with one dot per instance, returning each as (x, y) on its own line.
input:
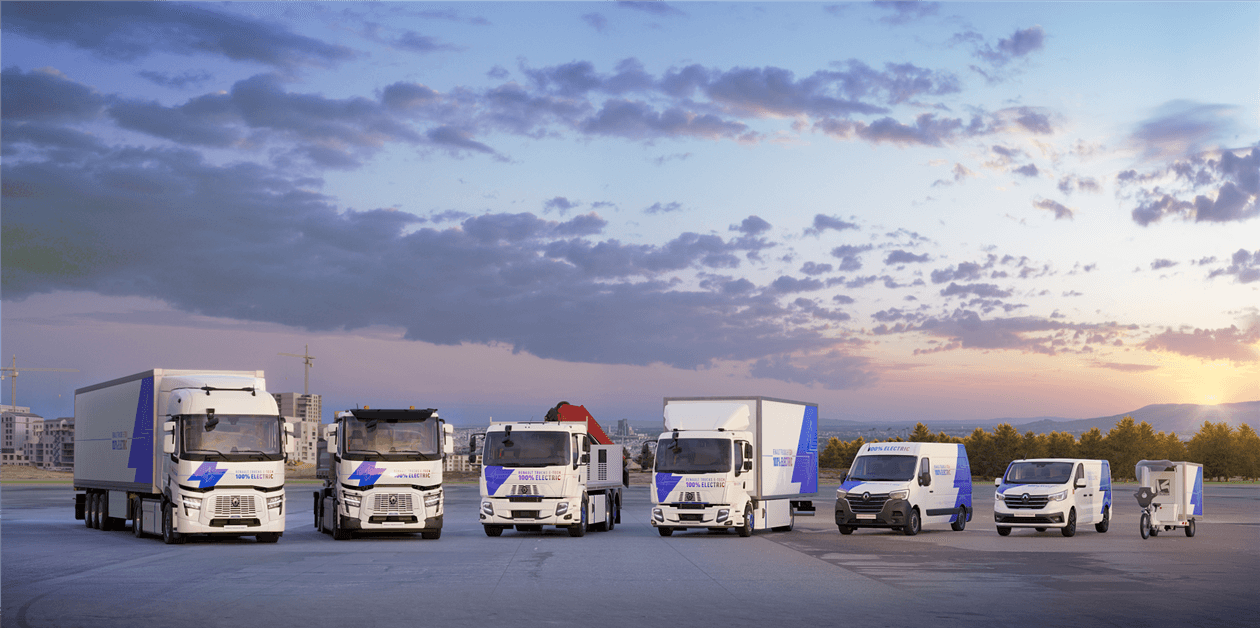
(563, 471)
(181, 452)
(1043, 493)
(904, 486)
(383, 473)
(742, 463)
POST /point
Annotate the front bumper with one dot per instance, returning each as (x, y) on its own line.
(1024, 518)
(539, 513)
(394, 509)
(892, 514)
(229, 512)
(695, 516)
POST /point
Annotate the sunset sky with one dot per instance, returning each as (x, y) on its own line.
(899, 211)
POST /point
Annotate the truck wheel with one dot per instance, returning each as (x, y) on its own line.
(665, 531)
(169, 535)
(431, 535)
(579, 528)
(610, 519)
(267, 537)
(846, 530)
(318, 511)
(89, 511)
(137, 515)
(746, 530)
(1070, 528)
(1190, 528)
(913, 523)
(1102, 526)
(961, 523)
(494, 530)
(1144, 525)
(1002, 531)
(339, 533)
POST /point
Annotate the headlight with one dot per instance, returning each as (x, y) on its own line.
(658, 515)
(432, 500)
(562, 508)
(902, 494)
(487, 509)
(275, 502)
(1058, 497)
(999, 497)
(351, 499)
(840, 493)
(723, 514)
(191, 503)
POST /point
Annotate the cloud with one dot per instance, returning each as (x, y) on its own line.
(1028, 170)
(966, 329)
(128, 31)
(1223, 190)
(653, 7)
(812, 269)
(596, 21)
(751, 226)
(1161, 264)
(833, 370)
(904, 257)
(904, 12)
(415, 42)
(984, 290)
(1021, 43)
(559, 204)
(663, 208)
(1061, 211)
(788, 285)
(848, 255)
(1126, 367)
(823, 223)
(184, 79)
(1230, 343)
(46, 95)
(1245, 267)
(1182, 128)
(965, 271)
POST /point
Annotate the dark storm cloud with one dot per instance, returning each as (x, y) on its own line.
(127, 31)
(1230, 343)
(1223, 190)
(47, 96)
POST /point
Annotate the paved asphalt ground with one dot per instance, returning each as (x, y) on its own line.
(56, 572)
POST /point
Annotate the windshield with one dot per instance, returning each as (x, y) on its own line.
(526, 449)
(231, 437)
(1038, 473)
(882, 468)
(391, 440)
(693, 455)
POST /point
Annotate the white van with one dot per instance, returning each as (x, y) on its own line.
(905, 485)
(1053, 493)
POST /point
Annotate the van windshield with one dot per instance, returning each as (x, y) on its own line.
(1038, 473)
(693, 455)
(882, 468)
(526, 449)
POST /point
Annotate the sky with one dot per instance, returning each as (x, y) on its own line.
(900, 211)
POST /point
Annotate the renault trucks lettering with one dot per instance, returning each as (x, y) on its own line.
(1058, 493)
(563, 472)
(741, 463)
(383, 472)
(181, 452)
(904, 486)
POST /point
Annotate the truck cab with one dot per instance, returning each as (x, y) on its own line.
(903, 486)
(383, 473)
(563, 471)
(1058, 493)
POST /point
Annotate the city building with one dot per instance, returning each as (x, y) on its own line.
(51, 445)
(17, 423)
(305, 413)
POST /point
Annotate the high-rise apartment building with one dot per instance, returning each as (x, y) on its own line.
(306, 414)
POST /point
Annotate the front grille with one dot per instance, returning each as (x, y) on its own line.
(392, 502)
(525, 498)
(689, 506)
(690, 517)
(1033, 502)
(234, 505)
(525, 514)
(867, 503)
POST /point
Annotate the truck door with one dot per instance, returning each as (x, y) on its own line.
(1085, 498)
(931, 501)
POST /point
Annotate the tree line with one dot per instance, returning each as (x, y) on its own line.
(1225, 451)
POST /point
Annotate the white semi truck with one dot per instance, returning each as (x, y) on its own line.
(383, 473)
(742, 463)
(181, 452)
(563, 471)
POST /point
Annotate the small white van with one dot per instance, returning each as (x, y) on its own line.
(1059, 493)
(904, 486)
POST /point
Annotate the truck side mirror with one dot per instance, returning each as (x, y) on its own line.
(472, 449)
(997, 481)
(168, 437)
(290, 443)
(925, 478)
(748, 457)
(448, 439)
(586, 458)
(1080, 483)
(330, 437)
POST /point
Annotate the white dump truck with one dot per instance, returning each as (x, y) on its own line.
(742, 463)
(563, 471)
(383, 473)
(181, 452)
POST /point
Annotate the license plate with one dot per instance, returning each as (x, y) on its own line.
(872, 517)
(1024, 514)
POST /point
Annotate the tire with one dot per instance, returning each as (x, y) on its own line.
(494, 530)
(961, 523)
(1190, 528)
(1105, 524)
(89, 511)
(1144, 525)
(169, 535)
(1070, 528)
(137, 515)
(579, 528)
(846, 530)
(914, 523)
(1154, 530)
(665, 531)
(610, 518)
(431, 535)
(339, 533)
(746, 530)
(1003, 531)
(319, 510)
(267, 537)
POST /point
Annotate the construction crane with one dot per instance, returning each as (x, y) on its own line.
(12, 373)
(309, 361)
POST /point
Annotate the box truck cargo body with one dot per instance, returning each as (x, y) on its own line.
(741, 463)
(904, 486)
(181, 452)
(563, 471)
(1045, 493)
(383, 473)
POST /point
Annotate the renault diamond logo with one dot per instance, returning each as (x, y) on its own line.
(236, 501)
(866, 497)
(393, 499)
(1025, 498)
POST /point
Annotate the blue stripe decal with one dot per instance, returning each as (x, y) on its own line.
(962, 483)
(495, 477)
(141, 456)
(367, 474)
(849, 485)
(208, 474)
(805, 467)
(1106, 486)
(665, 483)
(1196, 498)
